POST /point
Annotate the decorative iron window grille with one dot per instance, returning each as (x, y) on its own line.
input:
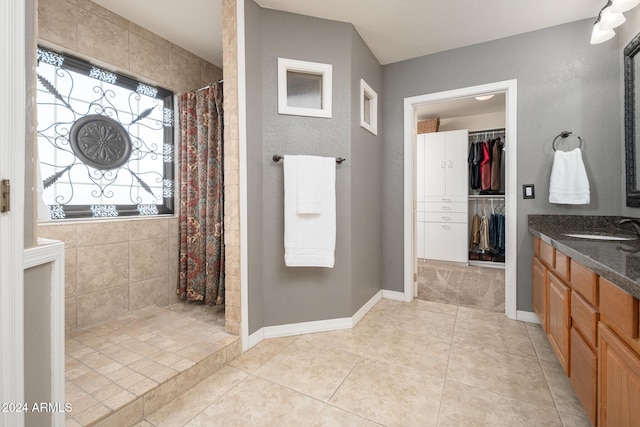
(105, 141)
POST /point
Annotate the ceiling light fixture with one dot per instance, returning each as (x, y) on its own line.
(610, 17)
(484, 97)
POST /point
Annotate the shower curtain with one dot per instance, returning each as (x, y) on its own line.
(201, 255)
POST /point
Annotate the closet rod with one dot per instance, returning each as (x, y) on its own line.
(278, 157)
(478, 132)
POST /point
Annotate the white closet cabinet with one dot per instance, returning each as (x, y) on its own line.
(442, 196)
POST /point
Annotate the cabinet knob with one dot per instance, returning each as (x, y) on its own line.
(442, 164)
(450, 164)
(446, 208)
(446, 227)
(446, 218)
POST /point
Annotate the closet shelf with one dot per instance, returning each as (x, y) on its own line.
(486, 196)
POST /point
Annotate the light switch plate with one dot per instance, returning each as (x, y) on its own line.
(528, 191)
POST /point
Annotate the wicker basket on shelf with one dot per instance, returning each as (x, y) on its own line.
(428, 125)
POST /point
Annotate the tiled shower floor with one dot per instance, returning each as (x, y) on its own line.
(119, 371)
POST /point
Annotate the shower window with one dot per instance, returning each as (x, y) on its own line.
(105, 141)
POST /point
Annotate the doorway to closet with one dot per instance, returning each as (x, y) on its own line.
(481, 274)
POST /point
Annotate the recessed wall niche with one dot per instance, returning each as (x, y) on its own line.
(304, 88)
(368, 108)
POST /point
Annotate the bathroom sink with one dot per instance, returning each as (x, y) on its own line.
(600, 236)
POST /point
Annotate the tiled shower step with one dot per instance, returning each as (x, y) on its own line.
(134, 411)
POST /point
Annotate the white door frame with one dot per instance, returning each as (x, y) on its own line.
(410, 104)
(12, 152)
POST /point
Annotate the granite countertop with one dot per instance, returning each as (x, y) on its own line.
(616, 261)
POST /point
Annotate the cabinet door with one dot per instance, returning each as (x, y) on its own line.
(435, 164)
(446, 242)
(559, 300)
(540, 291)
(618, 382)
(457, 171)
(420, 166)
(584, 374)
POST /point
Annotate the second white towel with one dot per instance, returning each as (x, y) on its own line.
(309, 238)
(569, 183)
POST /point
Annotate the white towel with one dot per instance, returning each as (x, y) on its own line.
(309, 239)
(569, 183)
(310, 183)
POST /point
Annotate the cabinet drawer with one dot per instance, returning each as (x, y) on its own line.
(584, 281)
(420, 216)
(618, 309)
(536, 246)
(584, 318)
(446, 242)
(584, 374)
(446, 207)
(445, 217)
(563, 265)
(548, 254)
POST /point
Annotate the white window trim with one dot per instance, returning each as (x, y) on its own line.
(324, 70)
(365, 89)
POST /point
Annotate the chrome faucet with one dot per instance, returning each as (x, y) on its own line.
(633, 222)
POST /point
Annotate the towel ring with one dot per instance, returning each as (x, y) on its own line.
(564, 134)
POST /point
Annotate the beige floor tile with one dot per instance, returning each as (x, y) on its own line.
(390, 394)
(429, 355)
(310, 369)
(571, 420)
(436, 307)
(184, 408)
(257, 356)
(540, 342)
(463, 405)
(257, 402)
(356, 340)
(332, 417)
(561, 389)
(511, 375)
(494, 330)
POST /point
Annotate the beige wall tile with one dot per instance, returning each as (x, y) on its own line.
(70, 319)
(63, 232)
(148, 292)
(102, 232)
(103, 13)
(209, 73)
(102, 305)
(148, 59)
(148, 258)
(127, 416)
(103, 266)
(148, 35)
(103, 40)
(58, 22)
(70, 272)
(148, 229)
(184, 74)
(174, 226)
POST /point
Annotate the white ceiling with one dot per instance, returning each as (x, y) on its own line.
(394, 30)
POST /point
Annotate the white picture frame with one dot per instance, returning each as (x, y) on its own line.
(304, 88)
(368, 108)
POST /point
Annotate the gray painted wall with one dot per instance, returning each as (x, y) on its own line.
(564, 83)
(278, 294)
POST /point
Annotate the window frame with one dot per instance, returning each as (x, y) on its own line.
(167, 205)
(305, 67)
(367, 91)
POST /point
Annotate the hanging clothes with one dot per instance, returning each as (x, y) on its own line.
(485, 167)
(475, 232)
(474, 159)
(496, 165)
(483, 244)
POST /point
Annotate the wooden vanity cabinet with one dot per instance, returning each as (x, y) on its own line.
(540, 291)
(559, 318)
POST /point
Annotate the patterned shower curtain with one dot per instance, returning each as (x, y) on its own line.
(201, 269)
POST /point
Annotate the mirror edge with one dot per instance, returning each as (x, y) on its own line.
(633, 193)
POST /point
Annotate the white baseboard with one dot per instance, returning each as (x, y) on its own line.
(394, 295)
(527, 316)
(313, 327)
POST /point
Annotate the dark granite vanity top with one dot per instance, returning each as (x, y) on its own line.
(616, 261)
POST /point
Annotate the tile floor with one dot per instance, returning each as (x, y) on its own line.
(119, 365)
(405, 364)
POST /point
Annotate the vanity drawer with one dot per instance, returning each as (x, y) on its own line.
(584, 318)
(445, 217)
(584, 281)
(618, 309)
(563, 265)
(548, 254)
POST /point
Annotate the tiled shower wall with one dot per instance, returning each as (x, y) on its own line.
(113, 267)
(123, 264)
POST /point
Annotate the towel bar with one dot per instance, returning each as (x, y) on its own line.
(278, 157)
